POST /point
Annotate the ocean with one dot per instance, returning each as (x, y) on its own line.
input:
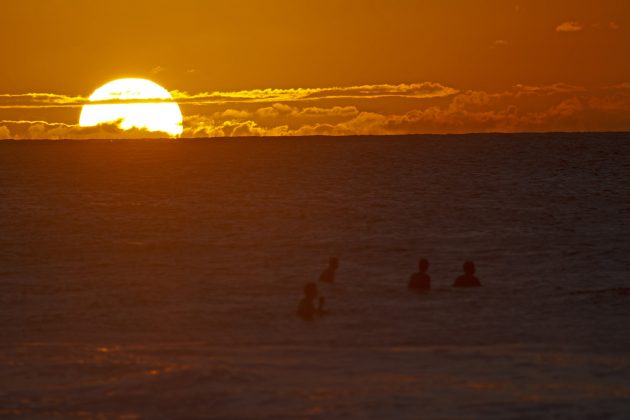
(159, 279)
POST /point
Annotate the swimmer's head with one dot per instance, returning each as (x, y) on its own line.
(333, 262)
(469, 267)
(423, 265)
(310, 290)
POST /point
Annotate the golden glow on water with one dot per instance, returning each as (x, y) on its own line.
(155, 116)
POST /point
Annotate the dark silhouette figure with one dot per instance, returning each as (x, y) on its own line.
(468, 279)
(328, 275)
(306, 309)
(420, 281)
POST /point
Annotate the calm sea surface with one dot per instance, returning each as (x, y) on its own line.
(158, 279)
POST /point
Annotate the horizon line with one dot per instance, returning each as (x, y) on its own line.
(324, 136)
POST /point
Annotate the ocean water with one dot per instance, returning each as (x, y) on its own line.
(159, 279)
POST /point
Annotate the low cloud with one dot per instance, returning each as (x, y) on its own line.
(43, 130)
(556, 107)
(570, 26)
(196, 126)
(5, 133)
(283, 110)
(233, 114)
(401, 109)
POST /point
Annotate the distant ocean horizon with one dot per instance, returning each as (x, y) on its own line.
(160, 279)
(351, 136)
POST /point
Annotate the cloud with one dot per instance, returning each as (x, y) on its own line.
(345, 111)
(5, 133)
(613, 26)
(37, 100)
(500, 43)
(620, 86)
(201, 126)
(336, 111)
(570, 26)
(413, 90)
(157, 70)
(278, 110)
(232, 114)
(43, 130)
(556, 107)
(547, 90)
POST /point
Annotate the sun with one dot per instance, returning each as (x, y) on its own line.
(161, 115)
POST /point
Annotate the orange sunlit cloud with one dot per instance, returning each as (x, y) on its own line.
(413, 90)
(569, 27)
(423, 108)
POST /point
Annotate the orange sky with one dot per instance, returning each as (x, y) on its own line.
(337, 67)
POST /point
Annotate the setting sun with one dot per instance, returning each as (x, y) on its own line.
(153, 116)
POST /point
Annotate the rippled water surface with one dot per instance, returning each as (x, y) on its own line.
(155, 279)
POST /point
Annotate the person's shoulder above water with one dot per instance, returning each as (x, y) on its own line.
(414, 281)
(328, 275)
(468, 279)
(306, 308)
(420, 281)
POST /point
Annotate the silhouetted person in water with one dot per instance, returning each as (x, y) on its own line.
(420, 281)
(306, 309)
(328, 275)
(468, 279)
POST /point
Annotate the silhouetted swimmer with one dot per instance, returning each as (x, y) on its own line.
(420, 281)
(306, 309)
(328, 275)
(468, 279)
